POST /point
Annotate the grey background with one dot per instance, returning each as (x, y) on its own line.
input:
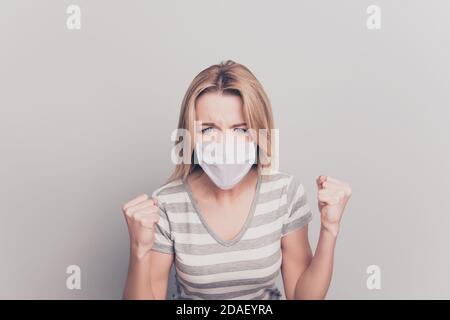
(86, 117)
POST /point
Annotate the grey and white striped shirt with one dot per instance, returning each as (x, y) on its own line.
(245, 267)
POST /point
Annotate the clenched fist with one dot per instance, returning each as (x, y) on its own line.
(141, 215)
(333, 196)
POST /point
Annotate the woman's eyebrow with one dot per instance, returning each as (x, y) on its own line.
(239, 125)
(211, 124)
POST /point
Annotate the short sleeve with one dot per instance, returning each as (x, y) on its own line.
(299, 211)
(163, 237)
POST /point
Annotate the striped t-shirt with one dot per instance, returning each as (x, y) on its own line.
(245, 267)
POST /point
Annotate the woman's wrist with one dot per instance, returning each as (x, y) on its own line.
(139, 252)
(330, 231)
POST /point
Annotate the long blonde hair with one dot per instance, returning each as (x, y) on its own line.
(233, 78)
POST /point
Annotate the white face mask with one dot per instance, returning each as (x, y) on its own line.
(226, 164)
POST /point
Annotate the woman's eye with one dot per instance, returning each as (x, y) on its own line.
(208, 130)
(240, 130)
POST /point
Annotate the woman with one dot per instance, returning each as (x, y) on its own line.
(230, 227)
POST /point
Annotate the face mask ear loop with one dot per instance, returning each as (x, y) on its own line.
(196, 155)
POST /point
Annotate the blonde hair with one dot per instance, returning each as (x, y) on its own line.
(233, 78)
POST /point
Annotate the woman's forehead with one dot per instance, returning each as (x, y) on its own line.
(218, 108)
